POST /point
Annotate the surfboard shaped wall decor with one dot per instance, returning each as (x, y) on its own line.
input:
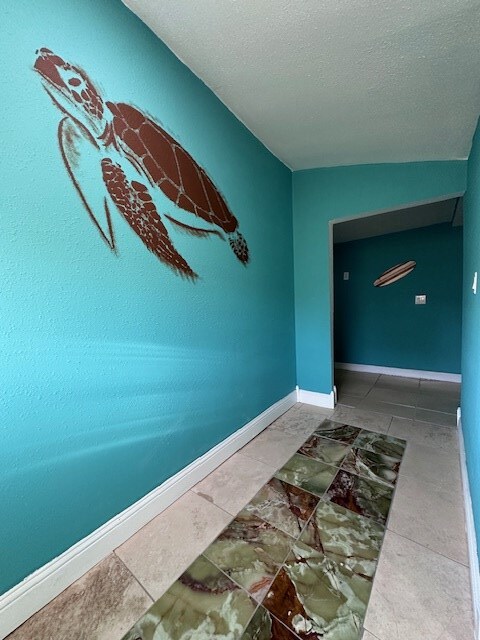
(395, 273)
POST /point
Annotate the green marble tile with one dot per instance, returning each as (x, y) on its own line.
(337, 431)
(263, 626)
(328, 451)
(203, 604)
(250, 551)
(366, 497)
(318, 598)
(284, 505)
(307, 473)
(345, 537)
(376, 466)
(381, 444)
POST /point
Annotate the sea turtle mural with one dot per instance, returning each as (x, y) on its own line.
(133, 157)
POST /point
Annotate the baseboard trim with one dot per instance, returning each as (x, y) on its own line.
(38, 589)
(471, 537)
(403, 373)
(325, 400)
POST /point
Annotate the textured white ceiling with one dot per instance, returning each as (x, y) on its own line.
(333, 82)
(400, 220)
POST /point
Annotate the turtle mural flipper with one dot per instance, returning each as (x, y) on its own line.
(74, 144)
(135, 204)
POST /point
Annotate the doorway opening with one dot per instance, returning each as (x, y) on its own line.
(396, 289)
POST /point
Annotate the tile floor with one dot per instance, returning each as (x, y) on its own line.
(283, 540)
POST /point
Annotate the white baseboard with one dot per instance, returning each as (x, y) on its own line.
(38, 589)
(326, 400)
(403, 373)
(471, 538)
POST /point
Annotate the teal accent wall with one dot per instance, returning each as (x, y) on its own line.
(321, 195)
(381, 325)
(115, 373)
(470, 401)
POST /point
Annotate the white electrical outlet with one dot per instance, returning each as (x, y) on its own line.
(346, 275)
(474, 285)
(421, 299)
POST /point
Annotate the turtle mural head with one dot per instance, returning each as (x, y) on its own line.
(70, 88)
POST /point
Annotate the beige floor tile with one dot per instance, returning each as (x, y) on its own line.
(234, 483)
(418, 595)
(393, 396)
(436, 417)
(348, 401)
(430, 515)
(160, 552)
(440, 387)
(102, 605)
(435, 401)
(354, 388)
(311, 410)
(432, 464)
(361, 418)
(424, 433)
(398, 410)
(356, 376)
(301, 420)
(394, 382)
(274, 446)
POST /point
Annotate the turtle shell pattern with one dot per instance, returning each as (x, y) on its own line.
(169, 166)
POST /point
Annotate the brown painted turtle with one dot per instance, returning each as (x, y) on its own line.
(119, 132)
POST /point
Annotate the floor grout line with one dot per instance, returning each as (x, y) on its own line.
(438, 553)
(135, 577)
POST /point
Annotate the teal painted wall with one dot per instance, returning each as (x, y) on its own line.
(382, 325)
(115, 373)
(321, 195)
(471, 330)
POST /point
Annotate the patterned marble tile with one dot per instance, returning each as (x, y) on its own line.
(375, 466)
(264, 626)
(250, 551)
(284, 505)
(337, 431)
(307, 473)
(325, 450)
(345, 537)
(366, 497)
(381, 443)
(317, 598)
(202, 603)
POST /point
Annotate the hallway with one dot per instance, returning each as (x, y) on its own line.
(421, 587)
